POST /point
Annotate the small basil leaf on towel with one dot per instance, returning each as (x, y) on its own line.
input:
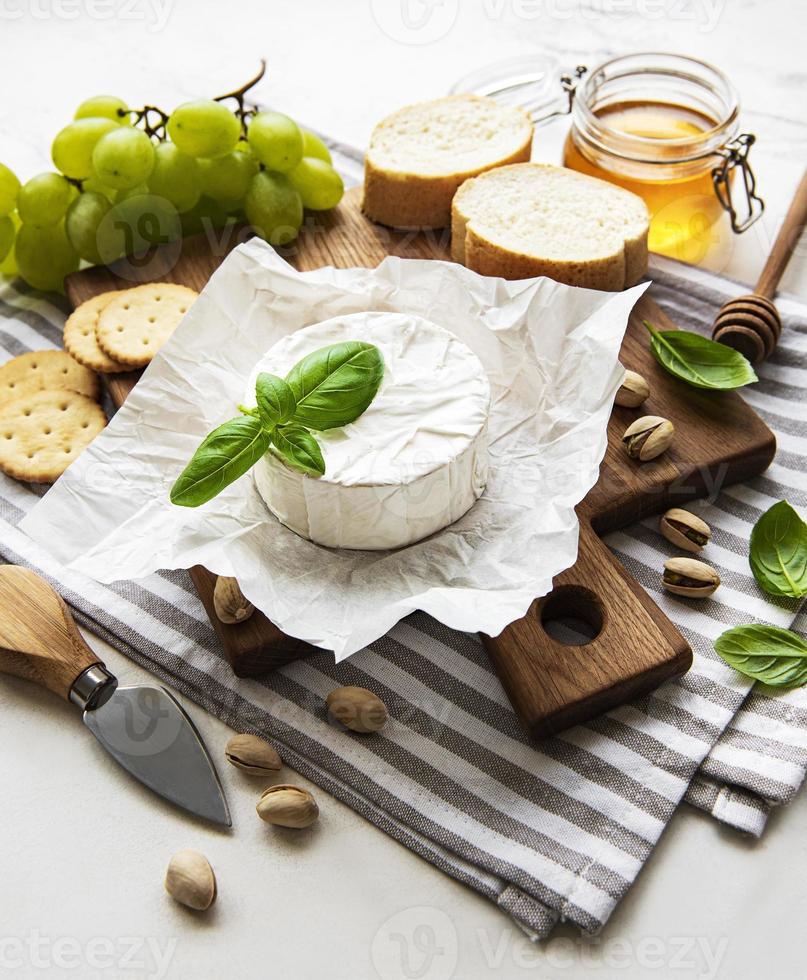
(275, 399)
(698, 361)
(769, 654)
(334, 385)
(227, 453)
(299, 449)
(778, 555)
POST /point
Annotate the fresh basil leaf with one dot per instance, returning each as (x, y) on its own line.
(299, 449)
(275, 399)
(227, 453)
(778, 555)
(769, 654)
(334, 385)
(699, 361)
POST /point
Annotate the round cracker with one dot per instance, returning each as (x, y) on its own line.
(79, 334)
(134, 326)
(41, 370)
(42, 432)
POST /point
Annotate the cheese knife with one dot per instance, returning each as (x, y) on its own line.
(144, 728)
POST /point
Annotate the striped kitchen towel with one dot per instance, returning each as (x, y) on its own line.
(548, 831)
(759, 760)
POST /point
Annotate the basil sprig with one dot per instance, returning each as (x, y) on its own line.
(769, 654)
(778, 554)
(330, 387)
(700, 362)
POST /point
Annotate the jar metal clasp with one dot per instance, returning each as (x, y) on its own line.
(735, 154)
(541, 113)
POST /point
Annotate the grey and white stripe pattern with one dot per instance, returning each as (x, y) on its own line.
(759, 760)
(552, 831)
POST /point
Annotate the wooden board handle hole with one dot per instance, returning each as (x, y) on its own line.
(572, 615)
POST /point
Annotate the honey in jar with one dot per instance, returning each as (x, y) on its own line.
(660, 126)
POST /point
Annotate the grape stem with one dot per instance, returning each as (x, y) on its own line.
(154, 119)
(244, 110)
(239, 93)
(153, 128)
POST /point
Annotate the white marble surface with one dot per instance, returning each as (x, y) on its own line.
(83, 849)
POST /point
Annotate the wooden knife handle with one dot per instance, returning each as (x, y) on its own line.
(39, 639)
(553, 685)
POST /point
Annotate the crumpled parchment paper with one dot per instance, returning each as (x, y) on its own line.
(551, 354)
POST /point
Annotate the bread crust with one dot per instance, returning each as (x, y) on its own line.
(412, 201)
(488, 259)
(636, 258)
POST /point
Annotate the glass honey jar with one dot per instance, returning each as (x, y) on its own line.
(667, 128)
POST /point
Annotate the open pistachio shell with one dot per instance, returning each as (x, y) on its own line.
(684, 530)
(648, 437)
(287, 806)
(253, 755)
(689, 577)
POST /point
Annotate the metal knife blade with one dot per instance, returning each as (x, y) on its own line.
(149, 733)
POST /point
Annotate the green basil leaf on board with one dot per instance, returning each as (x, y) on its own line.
(334, 385)
(299, 449)
(769, 654)
(275, 399)
(227, 453)
(778, 555)
(699, 361)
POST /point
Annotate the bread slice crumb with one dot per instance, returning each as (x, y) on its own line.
(419, 156)
(533, 219)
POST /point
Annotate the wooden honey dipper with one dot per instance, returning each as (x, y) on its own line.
(751, 324)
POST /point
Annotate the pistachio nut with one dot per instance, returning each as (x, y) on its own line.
(190, 881)
(357, 709)
(689, 577)
(684, 530)
(648, 437)
(633, 390)
(253, 755)
(229, 601)
(287, 806)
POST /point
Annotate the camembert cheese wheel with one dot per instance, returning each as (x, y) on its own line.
(412, 464)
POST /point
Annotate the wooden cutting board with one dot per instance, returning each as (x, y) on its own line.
(552, 685)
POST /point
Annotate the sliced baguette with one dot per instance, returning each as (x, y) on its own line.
(533, 219)
(420, 155)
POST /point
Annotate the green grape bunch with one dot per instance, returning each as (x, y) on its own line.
(128, 179)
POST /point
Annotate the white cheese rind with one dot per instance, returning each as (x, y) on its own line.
(412, 464)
